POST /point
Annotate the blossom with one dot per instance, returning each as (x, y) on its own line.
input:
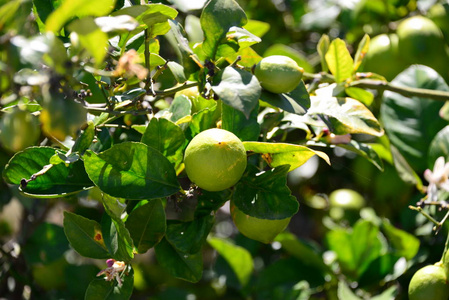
(438, 178)
(113, 270)
(129, 64)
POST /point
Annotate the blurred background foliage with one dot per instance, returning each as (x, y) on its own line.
(37, 262)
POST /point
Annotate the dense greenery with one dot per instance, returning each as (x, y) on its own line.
(346, 181)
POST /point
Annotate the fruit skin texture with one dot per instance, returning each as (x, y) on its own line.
(422, 42)
(215, 159)
(19, 130)
(278, 74)
(383, 56)
(261, 230)
(429, 282)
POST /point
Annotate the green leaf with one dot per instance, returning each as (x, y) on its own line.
(236, 38)
(237, 88)
(133, 171)
(85, 139)
(238, 258)
(322, 48)
(403, 243)
(153, 16)
(339, 60)
(100, 289)
(383, 268)
(297, 101)
(412, 123)
(217, 17)
(246, 129)
(366, 151)
(357, 248)
(46, 244)
(278, 154)
(210, 202)
(59, 180)
(116, 237)
(116, 24)
(166, 137)
(388, 294)
(281, 49)
(302, 251)
(257, 27)
(85, 236)
(91, 38)
(439, 147)
(180, 265)
(205, 119)
(362, 95)
(77, 8)
(345, 115)
(146, 225)
(178, 71)
(362, 49)
(344, 292)
(180, 107)
(189, 237)
(403, 168)
(265, 195)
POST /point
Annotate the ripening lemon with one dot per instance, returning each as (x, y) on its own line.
(278, 74)
(215, 159)
(262, 230)
(429, 282)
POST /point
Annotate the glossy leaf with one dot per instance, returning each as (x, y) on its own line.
(77, 8)
(412, 123)
(339, 60)
(217, 17)
(180, 265)
(205, 119)
(322, 48)
(178, 71)
(297, 101)
(439, 147)
(189, 237)
(345, 115)
(116, 24)
(302, 251)
(362, 49)
(116, 237)
(166, 137)
(133, 171)
(238, 89)
(238, 258)
(85, 236)
(265, 195)
(210, 202)
(364, 150)
(403, 243)
(146, 225)
(59, 180)
(246, 129)
(85, 139)
(278, 154)
(355, 248)
(180, 107)
(364, 96)
(100, 289)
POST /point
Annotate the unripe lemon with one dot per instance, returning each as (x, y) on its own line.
(278, 74)
(19, 130)
(215, 159)
(262, 230)
(383, 56)
(429, 282)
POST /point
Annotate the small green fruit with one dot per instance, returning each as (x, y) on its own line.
(19, 130)
(215, 159)
(278, 74)
(383, 56)
(345, 204)
(261, 230)
(429, 282)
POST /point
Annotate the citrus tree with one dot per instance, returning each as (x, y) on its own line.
(161, 150)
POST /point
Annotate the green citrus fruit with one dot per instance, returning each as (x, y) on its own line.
(262, 230)
(383, 56)
(19, 129)
(429, 282)
(345, 204)
(278, 74)
(422, 42)
(445, 263)
(215, 159)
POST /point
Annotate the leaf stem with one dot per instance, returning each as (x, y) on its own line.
(429, 217)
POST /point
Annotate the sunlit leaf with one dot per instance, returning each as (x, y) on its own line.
(339, 60)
